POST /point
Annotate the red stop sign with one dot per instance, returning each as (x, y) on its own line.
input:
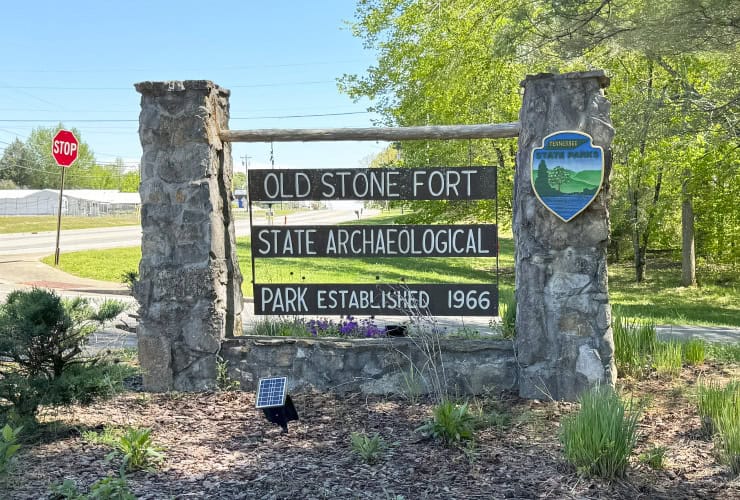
(64, 148)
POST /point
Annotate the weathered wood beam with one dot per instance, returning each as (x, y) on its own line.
(438, 132)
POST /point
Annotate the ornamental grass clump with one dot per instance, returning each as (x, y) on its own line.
(727, 438)
(667, 358)
(600, 437)
(712, 400)
(634, 343)
(694, 351)
(719, 409)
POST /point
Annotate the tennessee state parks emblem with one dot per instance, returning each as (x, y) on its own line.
(567, 173)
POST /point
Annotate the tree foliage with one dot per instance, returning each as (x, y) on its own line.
(30, 165)
(675, 93)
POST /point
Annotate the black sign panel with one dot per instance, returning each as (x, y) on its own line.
(443, 183)
(375, 241)
(381, 299)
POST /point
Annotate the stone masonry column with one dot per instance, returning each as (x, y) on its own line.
(189, 288)
(564, 341)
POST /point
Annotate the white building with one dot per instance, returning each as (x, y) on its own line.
(74, 202)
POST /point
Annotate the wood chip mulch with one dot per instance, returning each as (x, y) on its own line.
(218, 445)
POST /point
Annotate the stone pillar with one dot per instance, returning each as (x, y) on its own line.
(189, 288)
(564, 339)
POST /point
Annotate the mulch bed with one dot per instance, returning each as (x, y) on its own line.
(218, 446)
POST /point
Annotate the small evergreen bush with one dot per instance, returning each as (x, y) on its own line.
(600, 437)
(42, 337)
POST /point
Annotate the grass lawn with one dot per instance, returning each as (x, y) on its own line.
(715, 302)
(39, 223)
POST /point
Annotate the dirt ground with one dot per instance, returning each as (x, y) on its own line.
(218, 445)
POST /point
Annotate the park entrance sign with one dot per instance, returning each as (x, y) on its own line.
(399, 299)
(189, 287)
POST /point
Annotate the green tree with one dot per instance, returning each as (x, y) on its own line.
(130, 182)
(15, 164)
(542, 180)
(435, 67)
(45, 172)
(559, 176)
(461, 62)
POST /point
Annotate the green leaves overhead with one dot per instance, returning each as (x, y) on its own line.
(675, 93)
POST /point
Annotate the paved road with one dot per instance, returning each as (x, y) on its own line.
(43, 243)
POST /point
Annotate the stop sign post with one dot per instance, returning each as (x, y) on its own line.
(64, 148)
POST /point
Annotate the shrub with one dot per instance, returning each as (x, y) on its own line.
(450, 423)
(369, 448)
(599, 438)
(694, 351)
(41, 339)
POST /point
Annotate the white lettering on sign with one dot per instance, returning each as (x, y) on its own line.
(275, 185)
(375, 183)
(285, 300)
(371, 299)
(290, 242)
(64, 148)
(403, 241)
(443, 183)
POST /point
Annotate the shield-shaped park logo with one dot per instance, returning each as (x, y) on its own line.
(567, 173)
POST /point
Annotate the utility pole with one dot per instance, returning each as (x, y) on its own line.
(245, 164)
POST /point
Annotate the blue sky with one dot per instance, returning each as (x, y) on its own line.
(76, 62)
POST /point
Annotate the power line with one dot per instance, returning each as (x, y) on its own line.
(249, 86)
(113, 70)
(91, 120)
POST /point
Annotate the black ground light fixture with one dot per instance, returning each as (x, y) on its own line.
(275, 403)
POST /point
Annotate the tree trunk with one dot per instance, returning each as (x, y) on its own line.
(639, 257)
(688, 256)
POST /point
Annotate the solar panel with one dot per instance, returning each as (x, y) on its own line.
(271, 392)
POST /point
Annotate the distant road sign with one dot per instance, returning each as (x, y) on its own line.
(64, 148)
